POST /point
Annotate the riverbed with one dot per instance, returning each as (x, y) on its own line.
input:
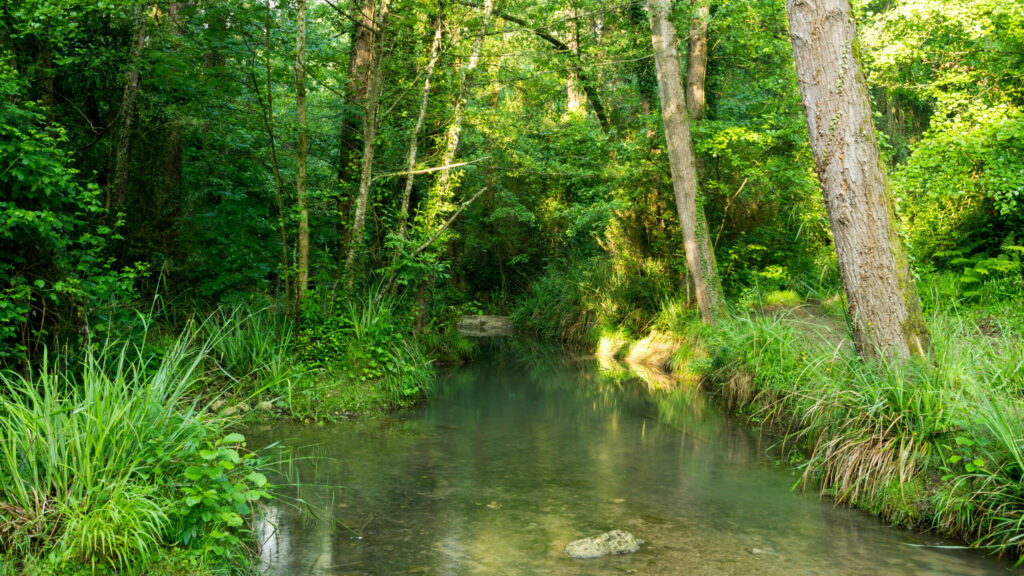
(529, 448)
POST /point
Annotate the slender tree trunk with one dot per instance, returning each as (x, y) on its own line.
(268, 119)
(440, 197)
(886, 314)
(302, 264)
(127, 113)
(351, 141)
(356, 244)
(699, 256)
(576, 97)
(697, 59)
(174, 162)
(410, 163)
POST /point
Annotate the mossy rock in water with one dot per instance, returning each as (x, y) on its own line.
(614, 542)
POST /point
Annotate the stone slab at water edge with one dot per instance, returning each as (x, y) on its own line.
(614, 542)
(486, 326)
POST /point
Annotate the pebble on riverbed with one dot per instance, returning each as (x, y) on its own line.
(614, 542)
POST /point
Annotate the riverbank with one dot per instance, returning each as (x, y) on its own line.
(125, 457)
(933, 444)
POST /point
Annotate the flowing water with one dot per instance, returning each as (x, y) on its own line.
(524, 451)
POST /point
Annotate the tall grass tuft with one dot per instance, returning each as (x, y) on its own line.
(83, 446)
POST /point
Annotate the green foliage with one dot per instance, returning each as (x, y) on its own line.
(55, 274)
(99, 459)
(366, 340)
(218, 490)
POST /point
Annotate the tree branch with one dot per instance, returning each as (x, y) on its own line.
(447, 224)
(562, 48)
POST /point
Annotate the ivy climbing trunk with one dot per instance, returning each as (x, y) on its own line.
(410, 161)
(302, 241)
(886, 314)
(700, 258)
(351, 135)
(697, 59)
(356, 243)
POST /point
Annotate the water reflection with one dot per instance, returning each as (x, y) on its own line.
(514, 459)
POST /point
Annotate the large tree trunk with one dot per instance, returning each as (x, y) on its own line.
(356, 243)
(127, 112)
(439, 201)
(699, 257)
(351, 140)
(697, 58)
(883, 302)
(410, 163)
(302, 241)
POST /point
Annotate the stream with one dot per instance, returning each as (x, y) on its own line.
(529, 448)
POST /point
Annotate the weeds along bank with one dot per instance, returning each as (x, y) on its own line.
(936, 444)
(109, 463)
(125, 457)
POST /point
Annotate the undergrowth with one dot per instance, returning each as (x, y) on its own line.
(109, 464)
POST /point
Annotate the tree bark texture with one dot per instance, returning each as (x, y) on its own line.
(302, 241)
(127, 112)
(435, 54)
(700, 258)
(369, 143)
(884, 307)
(351, 139)
(697, 59)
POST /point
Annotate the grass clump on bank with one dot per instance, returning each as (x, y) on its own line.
(109, 465)
(933, 444)
(356, 354)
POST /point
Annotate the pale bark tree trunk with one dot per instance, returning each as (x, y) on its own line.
(576, 97)
(351, 141)
(441, 194)
(127, 112)
(369, 144)
(700, 258)
(302, 241)
(884, 307)
(435, 53)
(697, 59)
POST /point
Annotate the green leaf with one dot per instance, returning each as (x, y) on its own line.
(258, 479)
(193, 473)
(233, 438)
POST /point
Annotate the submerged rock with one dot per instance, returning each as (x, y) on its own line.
(614, 542)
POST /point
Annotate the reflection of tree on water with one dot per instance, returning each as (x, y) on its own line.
(514, 458)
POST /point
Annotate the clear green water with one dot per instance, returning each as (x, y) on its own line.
(523, 452)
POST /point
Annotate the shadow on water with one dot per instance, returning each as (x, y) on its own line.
(531, 447)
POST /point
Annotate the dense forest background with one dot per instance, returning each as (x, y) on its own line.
(153, 148)
(220, 210)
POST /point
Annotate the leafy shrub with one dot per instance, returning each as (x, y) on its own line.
(368, 340)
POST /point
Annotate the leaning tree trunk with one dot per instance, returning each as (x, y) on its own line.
(350, 142)
(302, 248)
(887, 319)
(699, 257)
(410, 163)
